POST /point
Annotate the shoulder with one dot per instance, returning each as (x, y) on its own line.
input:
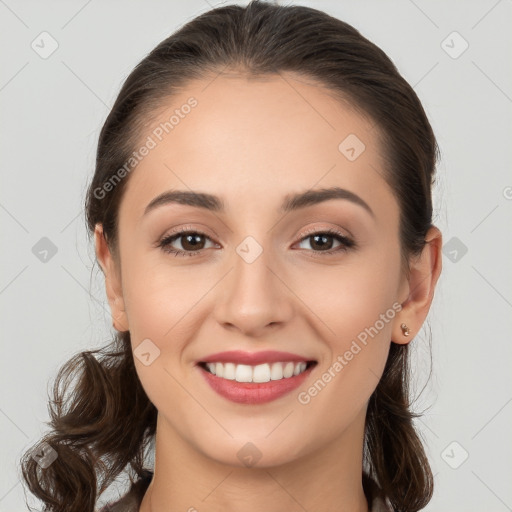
(376, 499)
(380, 504)
(131, 501)
(125, 504)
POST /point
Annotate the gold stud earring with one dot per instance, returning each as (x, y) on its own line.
(405, 330)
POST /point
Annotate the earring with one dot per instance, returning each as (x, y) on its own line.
(405, 330)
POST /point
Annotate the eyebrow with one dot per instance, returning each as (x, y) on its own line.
(292, 202)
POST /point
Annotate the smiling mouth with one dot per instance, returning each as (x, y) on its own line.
(260, 373)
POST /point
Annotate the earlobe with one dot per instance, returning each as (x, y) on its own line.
(405, 330)
(425, 270)
(112, 280)
(402, 333)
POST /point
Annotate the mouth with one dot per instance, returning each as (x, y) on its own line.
(260, 373)
(255, 378)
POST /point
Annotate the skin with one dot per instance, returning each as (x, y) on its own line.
(252, 142)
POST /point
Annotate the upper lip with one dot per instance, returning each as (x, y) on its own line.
(253, 358)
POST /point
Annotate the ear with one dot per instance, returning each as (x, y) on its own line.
(112, 280)
(419, 288)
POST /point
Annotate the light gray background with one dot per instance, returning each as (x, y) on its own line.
(52, 112)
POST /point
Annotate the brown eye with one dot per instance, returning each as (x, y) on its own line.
(191, 243)
(323, 241)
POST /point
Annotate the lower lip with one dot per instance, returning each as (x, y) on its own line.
(254, 392)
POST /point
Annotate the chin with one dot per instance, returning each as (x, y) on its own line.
(260, 453)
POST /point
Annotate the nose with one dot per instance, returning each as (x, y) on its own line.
(254, 296)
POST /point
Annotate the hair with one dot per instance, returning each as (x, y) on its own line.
(102, 423)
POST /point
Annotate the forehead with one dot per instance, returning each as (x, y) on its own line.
(256, 139)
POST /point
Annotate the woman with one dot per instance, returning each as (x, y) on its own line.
(262, 214)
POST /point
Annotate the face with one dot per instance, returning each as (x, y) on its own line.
(318, 278)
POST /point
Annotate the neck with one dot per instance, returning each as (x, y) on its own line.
(329, 479)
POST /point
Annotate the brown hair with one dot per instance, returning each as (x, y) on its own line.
(103, 424)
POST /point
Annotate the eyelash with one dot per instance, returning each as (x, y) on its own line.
(346, 243)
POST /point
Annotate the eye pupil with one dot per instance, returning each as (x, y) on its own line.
(323, 238)
(194, 240)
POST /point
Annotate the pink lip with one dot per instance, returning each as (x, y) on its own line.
(254, 392)
(253, 359)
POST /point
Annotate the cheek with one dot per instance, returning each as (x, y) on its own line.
(351, 298)
(158, 301)
(357, 305)
(162, 305)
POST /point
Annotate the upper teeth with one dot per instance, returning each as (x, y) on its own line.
(259, 373)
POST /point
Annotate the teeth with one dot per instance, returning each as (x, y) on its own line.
(298, 369)
(243, 373)
(288, 370)
(259, 373)
(276, 372)
(229, 371)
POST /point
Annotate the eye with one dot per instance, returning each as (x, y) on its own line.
(192, 242)
(322, 241)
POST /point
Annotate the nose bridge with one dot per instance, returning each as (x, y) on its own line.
(253, 296)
